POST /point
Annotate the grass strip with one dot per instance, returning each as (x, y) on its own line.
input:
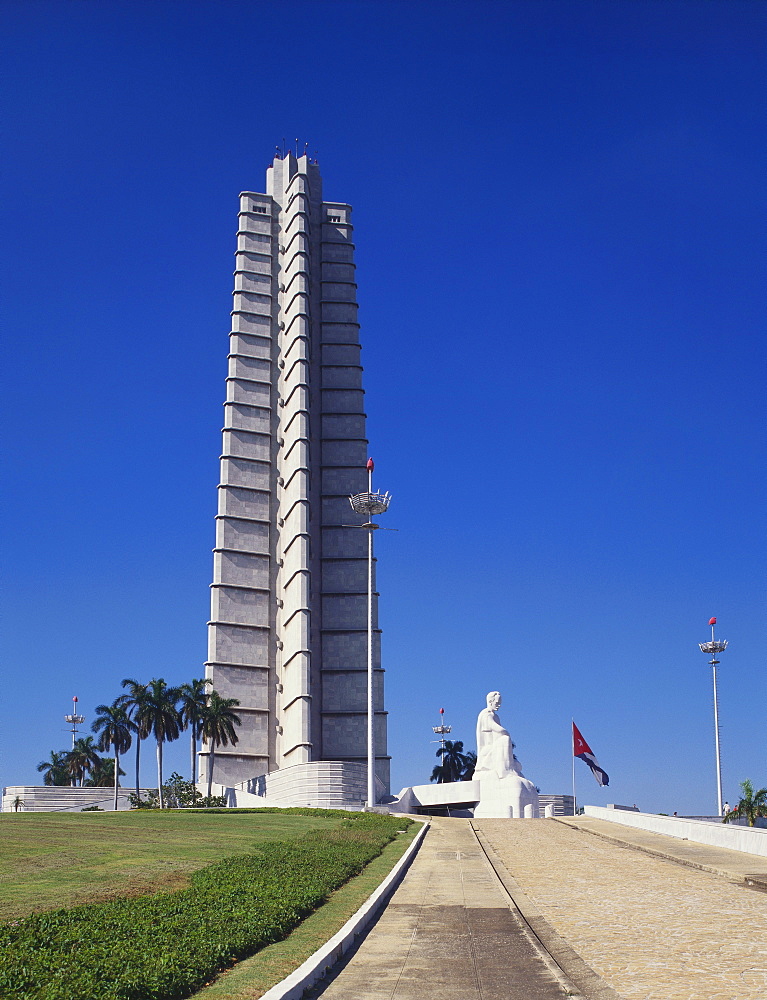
(167, 945)
(252, 977)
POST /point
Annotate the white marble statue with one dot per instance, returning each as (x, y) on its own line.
(504, 791)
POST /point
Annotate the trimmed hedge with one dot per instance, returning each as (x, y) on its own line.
(170, 944)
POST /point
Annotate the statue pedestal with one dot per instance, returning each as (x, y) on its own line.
(510, 797)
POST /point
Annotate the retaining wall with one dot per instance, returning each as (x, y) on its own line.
(750, 840)
(63, 798)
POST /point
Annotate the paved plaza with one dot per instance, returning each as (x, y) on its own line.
(621, 923)
(651, 928)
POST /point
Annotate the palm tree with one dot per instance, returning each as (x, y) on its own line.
(159, 717)
(194, 698)
(134, 702)
(55, 771)
(81, 759)
(103, 774)
(751, 805)
(114, 727)
(454, 762)
(218, 722)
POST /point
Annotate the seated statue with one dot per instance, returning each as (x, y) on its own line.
(495, 752)
(504, 790)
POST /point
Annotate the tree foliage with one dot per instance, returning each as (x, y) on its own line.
(82, 759)
(55, 770)
(133, 702)
(159, 717)
(142, 711)
(751, 805)
(455, 765)
(193, 701)
(114, 727)
(103, 774)
(219, 721)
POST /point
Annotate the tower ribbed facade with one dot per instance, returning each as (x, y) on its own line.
(287, 635)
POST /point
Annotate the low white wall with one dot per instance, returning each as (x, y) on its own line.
(63, 798)
(749, 840)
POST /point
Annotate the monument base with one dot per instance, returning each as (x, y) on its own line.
(462, 798)
(510, 797)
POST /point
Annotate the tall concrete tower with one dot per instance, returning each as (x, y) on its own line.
(287, 635)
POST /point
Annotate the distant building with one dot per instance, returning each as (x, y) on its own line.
(288, 610)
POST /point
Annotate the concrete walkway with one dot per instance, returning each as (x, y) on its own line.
(448, 932)
(679, 923)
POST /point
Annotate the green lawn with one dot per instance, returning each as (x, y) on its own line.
(62, 860)
(52, 860)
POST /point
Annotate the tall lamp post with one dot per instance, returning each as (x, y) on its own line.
(440, 731)
(711, 649)
(74, 720)
(370, 504)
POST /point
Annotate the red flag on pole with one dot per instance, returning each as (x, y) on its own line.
(583, 751)
(579, 744)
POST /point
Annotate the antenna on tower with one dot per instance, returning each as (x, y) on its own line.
(283, 147)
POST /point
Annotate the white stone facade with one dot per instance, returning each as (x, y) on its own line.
(288, 609)
(318, 785)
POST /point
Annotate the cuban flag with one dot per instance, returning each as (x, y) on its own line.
(583, 751)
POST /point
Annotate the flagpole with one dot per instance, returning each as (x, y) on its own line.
(572, 754)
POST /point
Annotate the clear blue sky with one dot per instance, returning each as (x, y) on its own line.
(559, 212)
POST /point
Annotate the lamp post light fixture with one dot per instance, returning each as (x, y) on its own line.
(441, 729)
(74, 720)
(712, 649)
(370, 504)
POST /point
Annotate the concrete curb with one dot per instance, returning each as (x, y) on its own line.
(571, 968)
(315, 967)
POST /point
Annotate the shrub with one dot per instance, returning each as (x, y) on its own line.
(216, 802)
(177, 794)
(152, 801)
(169, 944)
